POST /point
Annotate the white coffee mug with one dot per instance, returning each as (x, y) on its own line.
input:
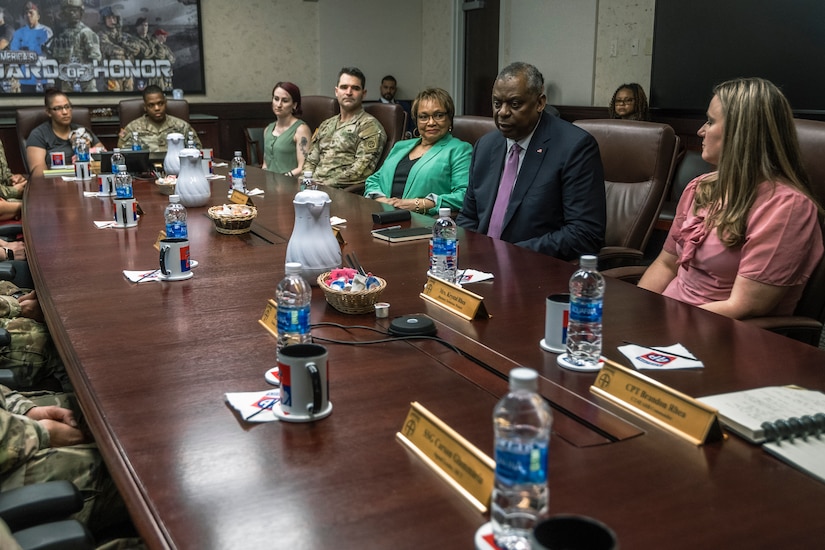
(304, 383)
(125, 211)
(555, 323)
(206, 160)
(105, 185)
(174, 259)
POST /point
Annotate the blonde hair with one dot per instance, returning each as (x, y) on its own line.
(759, 144)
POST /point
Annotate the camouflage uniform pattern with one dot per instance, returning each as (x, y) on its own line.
(78, 44)
(153, 135)
(344, 153)
(162, 52)
(31, 354)
(7, 190)
(115, 44)
(26, 458)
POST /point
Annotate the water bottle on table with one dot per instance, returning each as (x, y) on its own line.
(136, 144)
(123, 183)
(293, 297)
(117, 160)
(584, 328)
(238, 172)
(522, 422)
(175, 215)
(444, 247)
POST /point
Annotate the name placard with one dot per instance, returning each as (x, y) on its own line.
(338, 236)
(161, 236)
(658, 403)
(238, 197)
(453, 298)
(269, 320)
(453, 458)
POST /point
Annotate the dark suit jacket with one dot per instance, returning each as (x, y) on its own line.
(558, 203)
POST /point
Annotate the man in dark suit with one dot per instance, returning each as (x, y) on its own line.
(547, 194)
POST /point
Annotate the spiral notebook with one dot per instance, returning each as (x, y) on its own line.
(790, 420)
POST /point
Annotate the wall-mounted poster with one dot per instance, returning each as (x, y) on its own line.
(100, 46)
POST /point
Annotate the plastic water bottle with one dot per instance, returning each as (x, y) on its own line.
(238, 171)
(81, 146)
(293, 297)
(136, 145)
(123, 183)
(522, 422)
(175, 215)
(306, 181)
(444, 247)
(584, 328)
(117, 160)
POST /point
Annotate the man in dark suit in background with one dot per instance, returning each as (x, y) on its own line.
(537, 182)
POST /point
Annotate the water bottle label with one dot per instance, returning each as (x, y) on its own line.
(114, 168)
(136, 147)
(124, 191)
(584, 310)
(520, 463)
(238, 173)
(176, 230)
(444, 247)
(293, 320)
(83, 156)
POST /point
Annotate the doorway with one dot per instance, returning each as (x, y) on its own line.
(481, 21)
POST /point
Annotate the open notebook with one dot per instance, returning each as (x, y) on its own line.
(790, 420)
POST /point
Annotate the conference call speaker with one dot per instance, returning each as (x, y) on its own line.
(412, 325)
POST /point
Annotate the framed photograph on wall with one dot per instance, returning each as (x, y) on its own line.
(100, 46)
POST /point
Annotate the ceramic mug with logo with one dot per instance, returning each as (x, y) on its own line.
(174, 259)
(304, 383)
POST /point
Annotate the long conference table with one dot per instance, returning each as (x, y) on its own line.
(151, 363)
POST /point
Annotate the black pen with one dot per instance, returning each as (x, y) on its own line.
(661, 351)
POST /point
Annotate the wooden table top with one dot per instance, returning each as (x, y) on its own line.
(151, 364)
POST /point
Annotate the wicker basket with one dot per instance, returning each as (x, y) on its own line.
(354, 303)
(232, 224)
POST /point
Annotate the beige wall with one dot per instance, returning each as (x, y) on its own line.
(251, 44)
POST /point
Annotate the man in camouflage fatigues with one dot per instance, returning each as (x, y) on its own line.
(345, 149)
(155, 124)
(76, 45)
(116, 45)
(162, 52)
(41, 440)
(31, 354)
(11, 185)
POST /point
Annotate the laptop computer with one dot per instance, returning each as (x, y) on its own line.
(137, 162)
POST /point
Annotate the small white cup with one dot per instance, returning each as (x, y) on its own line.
(105, 185)
(125, 212)
(304, 383)
(174, 259)
(81, 170)
(555, 323)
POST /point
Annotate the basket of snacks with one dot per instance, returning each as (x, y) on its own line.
(233, 219)
(166, 185)
(350, 292)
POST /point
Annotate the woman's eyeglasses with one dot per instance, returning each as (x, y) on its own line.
(438, 117)
(622, 101)
(61, 108)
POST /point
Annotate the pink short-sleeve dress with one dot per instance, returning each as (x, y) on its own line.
(782, 247)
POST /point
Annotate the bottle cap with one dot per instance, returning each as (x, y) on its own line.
(293, 267)
(117, 150)
(237, 153)
(444, 212)
(121, 168)
(307, 173)
(174, 198)
(588, 261)
(522, 378)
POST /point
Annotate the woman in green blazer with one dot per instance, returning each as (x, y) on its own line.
(428, 172)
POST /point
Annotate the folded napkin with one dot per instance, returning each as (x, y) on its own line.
(335, 220)
(215, 176)
(91, 194)
(219, 164)
(254, 192)
(473, 276)
(255, 406)
(661, 357)
(142, 276)
(105, 224)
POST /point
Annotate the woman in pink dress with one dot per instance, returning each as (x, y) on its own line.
(746, 238)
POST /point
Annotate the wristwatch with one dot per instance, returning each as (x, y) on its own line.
(9, 253)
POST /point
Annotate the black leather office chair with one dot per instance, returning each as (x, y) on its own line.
(317, 108)
(254, 145)
(29, 118)
(470, 128)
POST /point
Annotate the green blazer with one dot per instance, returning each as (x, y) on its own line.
(441, 174)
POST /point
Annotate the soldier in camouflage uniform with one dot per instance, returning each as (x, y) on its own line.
(345, 149)
(42, 440)
(155, 124)
(116, 45)
(31, 354)
(162, 52)
(11, 185)
(75, 44)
